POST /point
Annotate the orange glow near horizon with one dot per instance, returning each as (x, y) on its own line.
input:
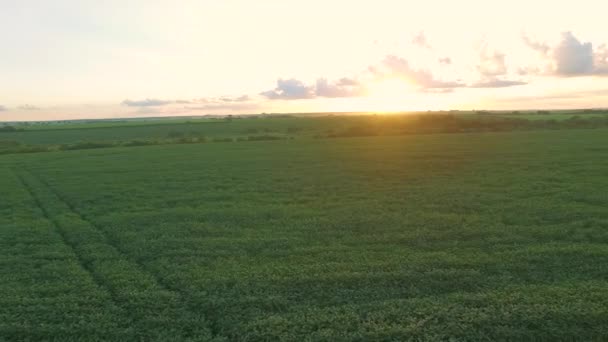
(390, 95)
(396, 94)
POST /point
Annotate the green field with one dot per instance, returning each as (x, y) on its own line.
(468, 236)
(168, 131)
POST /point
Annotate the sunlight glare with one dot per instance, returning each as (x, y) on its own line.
(391, 94)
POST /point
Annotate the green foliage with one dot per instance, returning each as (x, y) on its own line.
(92, 136)
(8, 128)
(471, 236)
(86, 145)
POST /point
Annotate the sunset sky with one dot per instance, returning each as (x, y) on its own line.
(66, 59)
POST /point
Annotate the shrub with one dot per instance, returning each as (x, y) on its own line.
(8, 128)
(175, 134)
(140, 143)
(222, 140)
(86, 145)
(264, 137)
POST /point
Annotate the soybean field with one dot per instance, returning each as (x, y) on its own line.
(478, 235)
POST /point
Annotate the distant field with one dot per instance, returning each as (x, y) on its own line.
(160, 129)
(471, 236)
(38, 126)
(109, 123)
(556, 116)
(164, 131)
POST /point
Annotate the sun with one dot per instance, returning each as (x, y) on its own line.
(390, 94)
(390, 88)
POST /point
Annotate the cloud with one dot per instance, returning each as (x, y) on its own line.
(571, 57)
(538, 46)
(224, 107)
(226, 100)
(559, 100)
(3, 108)
(445, 61)
(345, 87)
(290, 89)
(293, 89)
(438, 90)
(523, 71)
(496, 83)
(243, 98)
(28, 107)
(420, 40)
(146, 103)
(223, 103)
(394, 66)
(600, 60)
(492, 68)
(492, 64)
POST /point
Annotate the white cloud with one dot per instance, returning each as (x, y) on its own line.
(496, 83)
(146, 103)
(293, 89)
(492, 64)
(345, 87)
(290, 89)
(570, 57)
(28, 107)
(573, 57)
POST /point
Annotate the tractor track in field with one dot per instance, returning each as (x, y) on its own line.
(64, 239)
(182, 296)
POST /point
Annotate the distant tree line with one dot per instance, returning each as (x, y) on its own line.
(449, 123)
(9, 128)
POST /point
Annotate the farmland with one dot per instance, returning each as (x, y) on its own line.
(498, 235)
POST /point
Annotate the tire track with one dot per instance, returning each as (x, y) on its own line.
(108, 294)
(181, 296)
(81, 261)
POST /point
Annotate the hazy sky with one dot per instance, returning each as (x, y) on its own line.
(90, 58)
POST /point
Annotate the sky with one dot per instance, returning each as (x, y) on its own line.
(69, 59)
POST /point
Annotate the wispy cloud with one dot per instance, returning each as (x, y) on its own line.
(398, 67)
(212, 100)
(344, 87)
(445, 61)
(421, 40)
(180, 106)
(224, 104)
(492, 64)
(497, 83)
(3, 108)
(493, 71)
(28, 107)
(242, 98)
(233, 107)
(541, 47)
(146, 103)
